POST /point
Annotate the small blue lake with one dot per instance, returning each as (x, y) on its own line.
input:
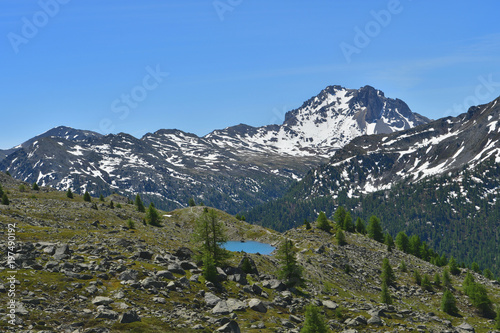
(249, 247)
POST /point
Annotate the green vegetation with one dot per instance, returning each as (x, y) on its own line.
(86, 197)
(375, 229)
(290, 271)
(322, 222)
(35, 187)
(314, 322)
(449, 303)
(5, 199)
(209, 235)
(138, 204)
(340, 237)
(152, 216)
(385, 296)
(69, 194)
(387, 275)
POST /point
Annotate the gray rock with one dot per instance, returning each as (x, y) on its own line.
(151, 282)
(107, 314)
(465, 327)
(257, 305)
(101, 300)
(165, 275)
(184, 253)
(374, 320)
(235, 305)
(62, 252)
(231, 327)
(211, 299)
(330, 305)
(128, 275)
(129, 317)
(221, 308)
(176, 269)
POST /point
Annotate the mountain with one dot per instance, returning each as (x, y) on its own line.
(83, 261)
(63, 132)
(440, 181)
(232, 169)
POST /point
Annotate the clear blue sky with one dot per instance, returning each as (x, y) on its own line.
(101, 65)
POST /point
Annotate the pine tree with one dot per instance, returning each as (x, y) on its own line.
(402, 241)
(426, 283)
(339, 216)
(475, 267)
(340, 237)
(360, 226)
(111, 204)
(446, 278)
(290, 271)
(307, 224)
(452, 264)
(101, 198)
(1, 191)
(138, 204)
(385, 296)
(437, 280)
(152, 216)
(387, 275)
(209, 268)
(375, 229)
(479, 298)
(314, 322)
(468, 284)
(448, 303)
(389, 242)
(69, 194)
(417, 277)
(35, 187)
(191, 202)
(210, 235)
(322, 222)
(488, 274)
(414, 245)
(130, 224)
(5, 200)
(402, 266)
(347, 225)
(86, 197)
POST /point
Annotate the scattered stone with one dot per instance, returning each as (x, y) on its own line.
(101, 300)
(129, 317)
(257, 305)
(107, 314)
(231, 327)
(330, 305)
(465, 327)
(221, 308)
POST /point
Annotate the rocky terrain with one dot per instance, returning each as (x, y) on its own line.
(80, 268)
(232, 169)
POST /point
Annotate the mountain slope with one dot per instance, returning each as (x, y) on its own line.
(232, 169)
(87, 266)
(440, 181)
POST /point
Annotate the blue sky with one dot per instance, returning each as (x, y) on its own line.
(139, 66)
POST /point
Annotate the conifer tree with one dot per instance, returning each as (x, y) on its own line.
(385, 296)
(209, 267)
(322, 222)
(101, 198)
(475, 267)
(339, 216)
(446, 278)
(437, 280)
(360, 226)
(488, 274)
(290, 271)
(315, 322)
(86, 197)
(340, 237)
(138, 204)
(307, 224)
(1, 191)
(387, 275)
(389, 242)
(69, 194)
(452, 264)
(152, 216)
(402, 241)
(417, 277)
(448, 303)
(5, 200)
(111, 204)
(375, 229)
(210, 235)
(191, 202)
(426, 283)
(35, 187)
(402, 266)
(347, 225)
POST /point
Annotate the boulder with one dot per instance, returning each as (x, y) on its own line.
(184, 253)
(211, 299)
(128, 275)
(129, 317)
(257, 305)
(107, 314)
(62, 252)
(101, 300)
(221, 308)
(330, 305)
(165, 275)
(235, 305)
(231, 327)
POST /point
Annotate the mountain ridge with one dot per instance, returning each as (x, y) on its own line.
(232, 169)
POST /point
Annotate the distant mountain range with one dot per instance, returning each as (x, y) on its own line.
(232, 169)
(440, 181)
